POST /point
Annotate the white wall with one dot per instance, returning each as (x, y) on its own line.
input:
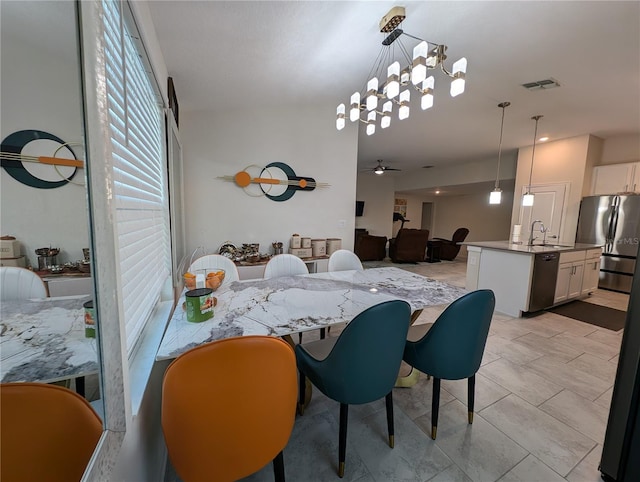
(40, 90)
(377, 192)
(467, 173)
(564, 160)
(224, 143)
(486, 222)
(621, 149)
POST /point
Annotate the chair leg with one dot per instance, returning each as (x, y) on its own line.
(342, 442)
(389, 400)
(278, 467)
(300, 337)
(301, 392)
(435, 405)
(471, 396)
(322, 333)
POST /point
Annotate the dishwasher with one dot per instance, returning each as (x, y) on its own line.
(543, 282)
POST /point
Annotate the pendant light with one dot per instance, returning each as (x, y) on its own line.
(496, 195)
(527, 199)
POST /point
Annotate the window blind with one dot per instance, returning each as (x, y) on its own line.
(139, 175)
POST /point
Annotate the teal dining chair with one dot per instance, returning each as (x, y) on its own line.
(359, 366)
(452, 347)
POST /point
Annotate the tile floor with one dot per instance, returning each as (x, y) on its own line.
(542, 400)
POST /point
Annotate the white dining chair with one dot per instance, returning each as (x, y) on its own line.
(344, 260)
(216, 261)
(285, 265)
(20, 284)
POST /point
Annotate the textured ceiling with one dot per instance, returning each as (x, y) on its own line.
(235, 55)
(229, 55)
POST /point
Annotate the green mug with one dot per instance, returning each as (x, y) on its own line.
(89, 319)
(199, 304)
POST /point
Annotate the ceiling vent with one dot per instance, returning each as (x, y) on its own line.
(549, 83)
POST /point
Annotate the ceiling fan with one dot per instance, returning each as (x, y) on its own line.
(380, 169)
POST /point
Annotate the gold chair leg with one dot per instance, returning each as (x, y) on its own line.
(470, 417)
(434, 430)
(341, 470)
(391, 441)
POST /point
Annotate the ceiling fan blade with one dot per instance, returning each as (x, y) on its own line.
(391, 169)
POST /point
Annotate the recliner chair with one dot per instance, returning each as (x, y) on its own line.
(450, 247)
(409, 245)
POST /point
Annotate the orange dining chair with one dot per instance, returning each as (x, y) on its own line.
(228, 408)
(47, 433)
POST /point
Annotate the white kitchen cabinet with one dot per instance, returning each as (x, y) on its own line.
(591, 274)
(635, 184)
(562, 282)
(570, 274)
(68, 286)
(256, 271)
(575, 282)
(616, 178)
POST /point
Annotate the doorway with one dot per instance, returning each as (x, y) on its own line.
(427, 216)
(549, 207)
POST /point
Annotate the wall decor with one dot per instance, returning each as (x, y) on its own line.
(400, 206)
(277, 181)
(21, 146)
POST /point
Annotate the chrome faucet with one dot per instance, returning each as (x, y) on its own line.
(542, 230)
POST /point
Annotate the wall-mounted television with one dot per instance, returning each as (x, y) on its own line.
(359, 208)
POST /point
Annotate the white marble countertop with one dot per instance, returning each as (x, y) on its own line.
(44, 340)
(535, 249)
(292, 304)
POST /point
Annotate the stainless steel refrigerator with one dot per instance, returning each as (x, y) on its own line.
(613, 222)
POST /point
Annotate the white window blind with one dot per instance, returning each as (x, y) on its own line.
(139, 175)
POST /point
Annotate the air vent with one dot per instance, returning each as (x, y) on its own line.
(549, 83)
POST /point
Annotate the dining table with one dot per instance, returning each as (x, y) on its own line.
(287, 305)
(43, 340)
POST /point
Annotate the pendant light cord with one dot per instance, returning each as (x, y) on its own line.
(504, 105)
(533, 151)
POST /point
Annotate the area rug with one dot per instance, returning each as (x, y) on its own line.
(598, 315)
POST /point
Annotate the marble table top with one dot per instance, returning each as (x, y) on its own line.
(44, 340)
(292, 304)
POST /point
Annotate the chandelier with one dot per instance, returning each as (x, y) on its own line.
(377, 100)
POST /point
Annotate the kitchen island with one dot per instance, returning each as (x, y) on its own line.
(530, 278)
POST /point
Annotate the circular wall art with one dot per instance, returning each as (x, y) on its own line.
(38, 159)
(277, 181)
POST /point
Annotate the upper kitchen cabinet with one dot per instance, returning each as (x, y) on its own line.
(616, 178)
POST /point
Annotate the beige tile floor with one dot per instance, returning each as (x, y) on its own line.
(542, 400)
